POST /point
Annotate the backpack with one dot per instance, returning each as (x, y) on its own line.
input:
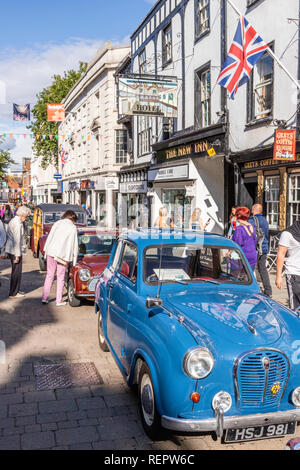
(260, 236)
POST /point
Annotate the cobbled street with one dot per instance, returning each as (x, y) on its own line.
(96, 417)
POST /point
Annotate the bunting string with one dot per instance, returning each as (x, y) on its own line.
(64, 138)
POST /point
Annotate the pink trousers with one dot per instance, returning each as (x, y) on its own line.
(60, 270)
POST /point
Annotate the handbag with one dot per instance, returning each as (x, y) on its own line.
(61, 261)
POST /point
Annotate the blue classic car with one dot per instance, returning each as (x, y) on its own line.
(185, 320)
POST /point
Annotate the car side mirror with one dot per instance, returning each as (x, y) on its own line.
(153, 302)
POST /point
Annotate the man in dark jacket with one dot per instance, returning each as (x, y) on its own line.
(261, 224)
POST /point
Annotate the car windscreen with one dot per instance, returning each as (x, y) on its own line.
(95, 244)
(192, 263)
(52, 217)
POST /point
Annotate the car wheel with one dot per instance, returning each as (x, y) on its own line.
(101, 337)
(73, 300)
(42, 262)
(150, 417)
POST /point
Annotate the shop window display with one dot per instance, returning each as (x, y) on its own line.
(294, 198)
(272, 194)
(179, 206)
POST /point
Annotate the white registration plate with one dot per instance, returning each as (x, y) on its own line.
(259, 432)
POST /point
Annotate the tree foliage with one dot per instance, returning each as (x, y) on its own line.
(5, 162)
(47, 148)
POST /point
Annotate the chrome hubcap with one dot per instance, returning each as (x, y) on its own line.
(147, 400)
(71, 292)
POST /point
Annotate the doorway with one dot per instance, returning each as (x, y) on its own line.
(248, 192)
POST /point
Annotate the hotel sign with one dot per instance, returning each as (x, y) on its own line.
(148, 97)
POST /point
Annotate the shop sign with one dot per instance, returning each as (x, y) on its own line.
(73, 186)
(169, 173)
(285, 145)
(55, 112)
(87, 184)
(265, 163)
(195, 148)
(134, 188)
(112, 183)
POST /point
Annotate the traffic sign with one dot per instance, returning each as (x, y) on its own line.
(57, 177)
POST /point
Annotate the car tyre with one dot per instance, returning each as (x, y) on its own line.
(73, 300)
(101, 338)
(42, 262)
(151, 420)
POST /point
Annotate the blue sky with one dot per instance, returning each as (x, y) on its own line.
(41, 38)
(36, 21)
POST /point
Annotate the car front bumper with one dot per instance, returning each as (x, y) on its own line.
(220, 423)
(87, 295)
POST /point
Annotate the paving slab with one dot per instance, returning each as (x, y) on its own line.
(102, 417)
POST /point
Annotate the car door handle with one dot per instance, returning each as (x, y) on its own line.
(109, 284)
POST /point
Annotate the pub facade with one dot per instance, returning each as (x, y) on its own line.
(274, 184)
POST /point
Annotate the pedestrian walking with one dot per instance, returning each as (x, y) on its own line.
(163, 220)
(196, 222)
(16, 248)
(261, 226)
(245, 235)
(61, 248)
(233, 223)
(289, 254)
(7, 216)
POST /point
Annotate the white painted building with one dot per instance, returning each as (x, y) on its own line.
(44, 186)
(95, 143)
(189, 39)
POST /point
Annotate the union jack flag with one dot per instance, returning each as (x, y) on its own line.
(246, 49)
(64, 157)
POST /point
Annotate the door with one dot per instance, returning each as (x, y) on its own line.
(122, 293)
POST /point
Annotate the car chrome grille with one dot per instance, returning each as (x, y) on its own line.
(261, 378)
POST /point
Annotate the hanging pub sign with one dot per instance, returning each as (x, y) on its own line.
(285, 145)
(148, 97)
(55, 112)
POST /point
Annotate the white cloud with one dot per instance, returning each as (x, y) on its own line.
(26, 72)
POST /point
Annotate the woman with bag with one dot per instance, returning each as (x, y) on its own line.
(245, 235)
(16, 248)
(61, 248)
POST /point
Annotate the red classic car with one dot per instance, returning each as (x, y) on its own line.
(94, 252)
(45, 215)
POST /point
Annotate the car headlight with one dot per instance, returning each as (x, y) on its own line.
(222, 400)
(84, 275)
(198, 363)
(296, 397)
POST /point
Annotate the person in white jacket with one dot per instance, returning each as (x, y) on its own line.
(61, 248)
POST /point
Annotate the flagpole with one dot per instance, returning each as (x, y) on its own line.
(270, 51)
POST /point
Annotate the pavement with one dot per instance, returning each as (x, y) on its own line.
(100, 417)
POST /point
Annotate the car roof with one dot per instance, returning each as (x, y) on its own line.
(60, 208)
(154, 237)
(96, 230)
